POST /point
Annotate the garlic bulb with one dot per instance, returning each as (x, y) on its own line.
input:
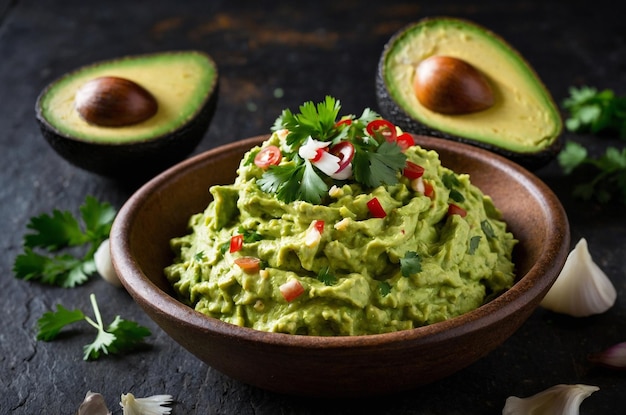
(93, 405)
(104, 266)
(152, 405)
(557, 400)
(582, 288)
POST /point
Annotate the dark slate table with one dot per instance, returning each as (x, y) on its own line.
(273, 56)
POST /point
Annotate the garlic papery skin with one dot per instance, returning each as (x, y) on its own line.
(614, 357)
(557, 400)
(152, 405)
(582, 288)
(104, 265)
(93, 405)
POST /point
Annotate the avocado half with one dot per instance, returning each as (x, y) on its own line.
(185, 86)
(523, 124)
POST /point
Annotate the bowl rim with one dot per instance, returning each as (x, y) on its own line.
(531, 283)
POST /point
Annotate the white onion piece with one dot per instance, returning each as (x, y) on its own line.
(104, 265)
(557, 400)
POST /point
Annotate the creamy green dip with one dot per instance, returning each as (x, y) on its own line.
(351, 274)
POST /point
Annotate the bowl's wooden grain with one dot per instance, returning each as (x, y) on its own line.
(338, 366)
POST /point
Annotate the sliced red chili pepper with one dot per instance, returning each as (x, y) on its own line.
(318, 154)
(412, 170)
(376, 209)
(291, 290)
(268, 156)
(405, 140)
(249, 264)
(236, 242)
(456, 210)
(345, 151)
(346, 121)
(383, 128)
(319, 225)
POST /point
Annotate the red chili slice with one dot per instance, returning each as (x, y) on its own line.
(405, 140)
(318, 154)
(291, 290)
(249, 264)
(347, 121)
(382, 127)
(376, 209)
(412, 170)
(345, 151)
(236, 242)
(268, 156)
(456, 210)
(319, 225)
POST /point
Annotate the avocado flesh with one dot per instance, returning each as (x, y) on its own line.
(181, 82)
(524, 119)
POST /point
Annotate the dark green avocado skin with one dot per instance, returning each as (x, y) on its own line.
(390, 110)
(132, 162)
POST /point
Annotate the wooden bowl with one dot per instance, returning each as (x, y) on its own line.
(338, 366)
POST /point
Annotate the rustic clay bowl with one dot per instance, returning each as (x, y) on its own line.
(338, 366)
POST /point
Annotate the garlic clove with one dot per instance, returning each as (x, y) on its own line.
(104, 265)
(582, 288)
(93, 405)
(614, 357)
(556, 400)
(152, 405)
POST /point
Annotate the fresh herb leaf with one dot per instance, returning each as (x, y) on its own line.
(473, 244)
(609, 180)
(250, 236)
(312, 187)
(380, 167)
(119, 337)
(385, 288)
(595, 111)
(411, 264)
(199, 256)
(313, 121)
(60, 230)
(326, 277)
(485, 225)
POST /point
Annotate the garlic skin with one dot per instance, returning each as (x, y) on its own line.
(152, 405)
(582, 288)
(614, 357)
(104, 266)
(557, 400)
(93, 405)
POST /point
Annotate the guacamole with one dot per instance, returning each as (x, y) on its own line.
(357, 258)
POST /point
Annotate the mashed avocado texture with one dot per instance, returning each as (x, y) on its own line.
(420, 249)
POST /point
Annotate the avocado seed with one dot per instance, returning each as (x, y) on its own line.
(110, 101)
(452, 86)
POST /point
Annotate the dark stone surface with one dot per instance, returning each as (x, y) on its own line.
(274, 55)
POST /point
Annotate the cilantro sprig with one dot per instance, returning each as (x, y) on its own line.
(375, 161)
(118, 337)
(42, 259)
(595, 111)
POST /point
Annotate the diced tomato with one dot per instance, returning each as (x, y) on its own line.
(268, 156)
(249, 264)
(345, 151)
(319, 225)
(456, 210)
(429, 190)
(382, 127)
(291, 290)
(236, 242)
(376, 209)
(405, 140)
(412, 170)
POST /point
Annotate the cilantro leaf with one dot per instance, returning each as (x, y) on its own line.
(120, 336)
(473, 244)
(380, 167)
(60, 230)
(411, 264)
(50, 324)
(595, 111)
(385, 288)
(312, 187)
(313, 121)
(294, 182)
(327, 277)
(487, 229)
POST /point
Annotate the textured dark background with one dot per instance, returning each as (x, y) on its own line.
(304, 50)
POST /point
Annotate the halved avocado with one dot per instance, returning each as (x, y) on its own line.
(523, 124)
(185, 87)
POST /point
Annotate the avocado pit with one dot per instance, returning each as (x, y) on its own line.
(448, 85)
(111, 101)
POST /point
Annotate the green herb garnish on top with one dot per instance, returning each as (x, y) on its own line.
(321, 149)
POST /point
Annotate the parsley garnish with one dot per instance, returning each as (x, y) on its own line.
(326, 277)
(375, 162)
(120, 336)
(411, 264)
(385, 288)
(60, 230)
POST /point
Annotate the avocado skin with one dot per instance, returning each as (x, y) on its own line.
(132, 161)
(391, 111)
